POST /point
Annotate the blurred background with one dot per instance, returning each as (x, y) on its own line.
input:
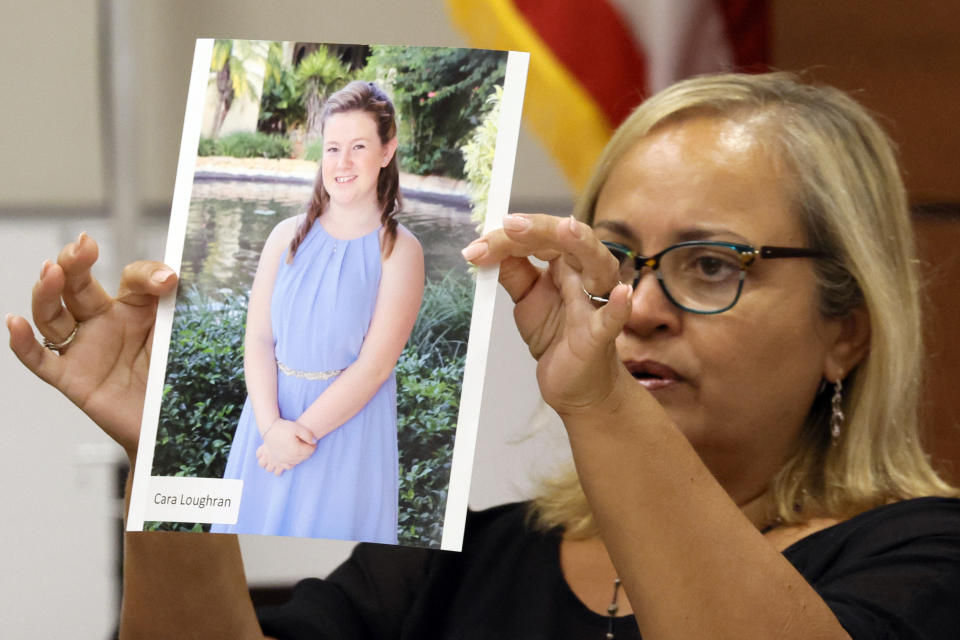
(90, 123)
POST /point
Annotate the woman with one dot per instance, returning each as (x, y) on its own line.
(333, 302)
(742, 420)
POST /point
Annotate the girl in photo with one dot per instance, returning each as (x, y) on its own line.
(333, 302)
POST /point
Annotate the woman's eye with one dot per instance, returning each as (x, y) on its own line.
(708, 265)
(714, 266)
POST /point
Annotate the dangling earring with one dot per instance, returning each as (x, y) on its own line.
(836, 410)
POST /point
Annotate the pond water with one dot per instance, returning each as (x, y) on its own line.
(229, 222)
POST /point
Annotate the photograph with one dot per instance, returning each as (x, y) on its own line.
(320, 331)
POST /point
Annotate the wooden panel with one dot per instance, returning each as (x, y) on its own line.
(938, 238)
(901, 59)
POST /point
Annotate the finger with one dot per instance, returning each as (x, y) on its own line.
(53, 320)
(539, 315)
(31, 353)
(547, 237)
(518, 276)
(144, 281)
(497, 245)
(82, 294)
(607, 322)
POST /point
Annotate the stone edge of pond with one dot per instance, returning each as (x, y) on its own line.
(429, 188)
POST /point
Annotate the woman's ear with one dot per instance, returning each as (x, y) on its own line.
(851, 345)
(388, 150)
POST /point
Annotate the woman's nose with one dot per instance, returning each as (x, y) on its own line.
(651, 310)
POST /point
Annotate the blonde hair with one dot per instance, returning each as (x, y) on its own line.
(846, 186)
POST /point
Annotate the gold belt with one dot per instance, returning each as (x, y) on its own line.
(307, 375)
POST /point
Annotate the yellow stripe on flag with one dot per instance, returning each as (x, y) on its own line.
(560, 111)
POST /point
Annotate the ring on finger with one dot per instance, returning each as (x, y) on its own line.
(594, 298)
(56, 346)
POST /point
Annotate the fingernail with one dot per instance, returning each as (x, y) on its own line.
(574, 226)
(43, 268)
(473, 251)
(161, 276)
(7, 318)
(513, 222)
(81, 237)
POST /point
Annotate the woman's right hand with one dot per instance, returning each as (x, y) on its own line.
(104, 368)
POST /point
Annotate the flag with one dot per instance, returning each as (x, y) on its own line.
(593, 61)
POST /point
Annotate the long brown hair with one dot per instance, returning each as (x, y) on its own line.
(369, 98)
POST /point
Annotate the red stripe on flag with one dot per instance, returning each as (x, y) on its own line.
(748, 31)
(591, 40)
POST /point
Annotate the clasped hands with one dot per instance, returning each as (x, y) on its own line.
(286, 444)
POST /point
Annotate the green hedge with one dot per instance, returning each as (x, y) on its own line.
(244, 144)
(429, 378)
(204, 394)
(204, 391)
(314, 151)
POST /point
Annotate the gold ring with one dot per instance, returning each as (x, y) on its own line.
(56, 346)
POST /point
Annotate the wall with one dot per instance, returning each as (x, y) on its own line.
(901, 59)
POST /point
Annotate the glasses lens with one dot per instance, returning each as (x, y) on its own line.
(702, 277)
(626, 271)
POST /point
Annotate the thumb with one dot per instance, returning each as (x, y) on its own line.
(142, 282)
(607, 321)
(305, 435)
(518, 275)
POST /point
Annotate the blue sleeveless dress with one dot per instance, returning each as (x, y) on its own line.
(321, 310)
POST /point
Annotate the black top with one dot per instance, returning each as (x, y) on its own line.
(892, 572)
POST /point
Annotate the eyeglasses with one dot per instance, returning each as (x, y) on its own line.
(699, 277)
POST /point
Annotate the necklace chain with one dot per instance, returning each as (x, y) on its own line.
(613, 608)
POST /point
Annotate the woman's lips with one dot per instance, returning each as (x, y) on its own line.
(653, 375)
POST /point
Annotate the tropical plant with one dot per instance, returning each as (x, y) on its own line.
(316, 77)
(281, 108)
(441, 94)
(229, 65)
(478, 155)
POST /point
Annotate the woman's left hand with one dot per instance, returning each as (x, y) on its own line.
(571, 338)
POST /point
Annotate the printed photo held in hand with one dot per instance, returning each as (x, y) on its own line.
(318, 373)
